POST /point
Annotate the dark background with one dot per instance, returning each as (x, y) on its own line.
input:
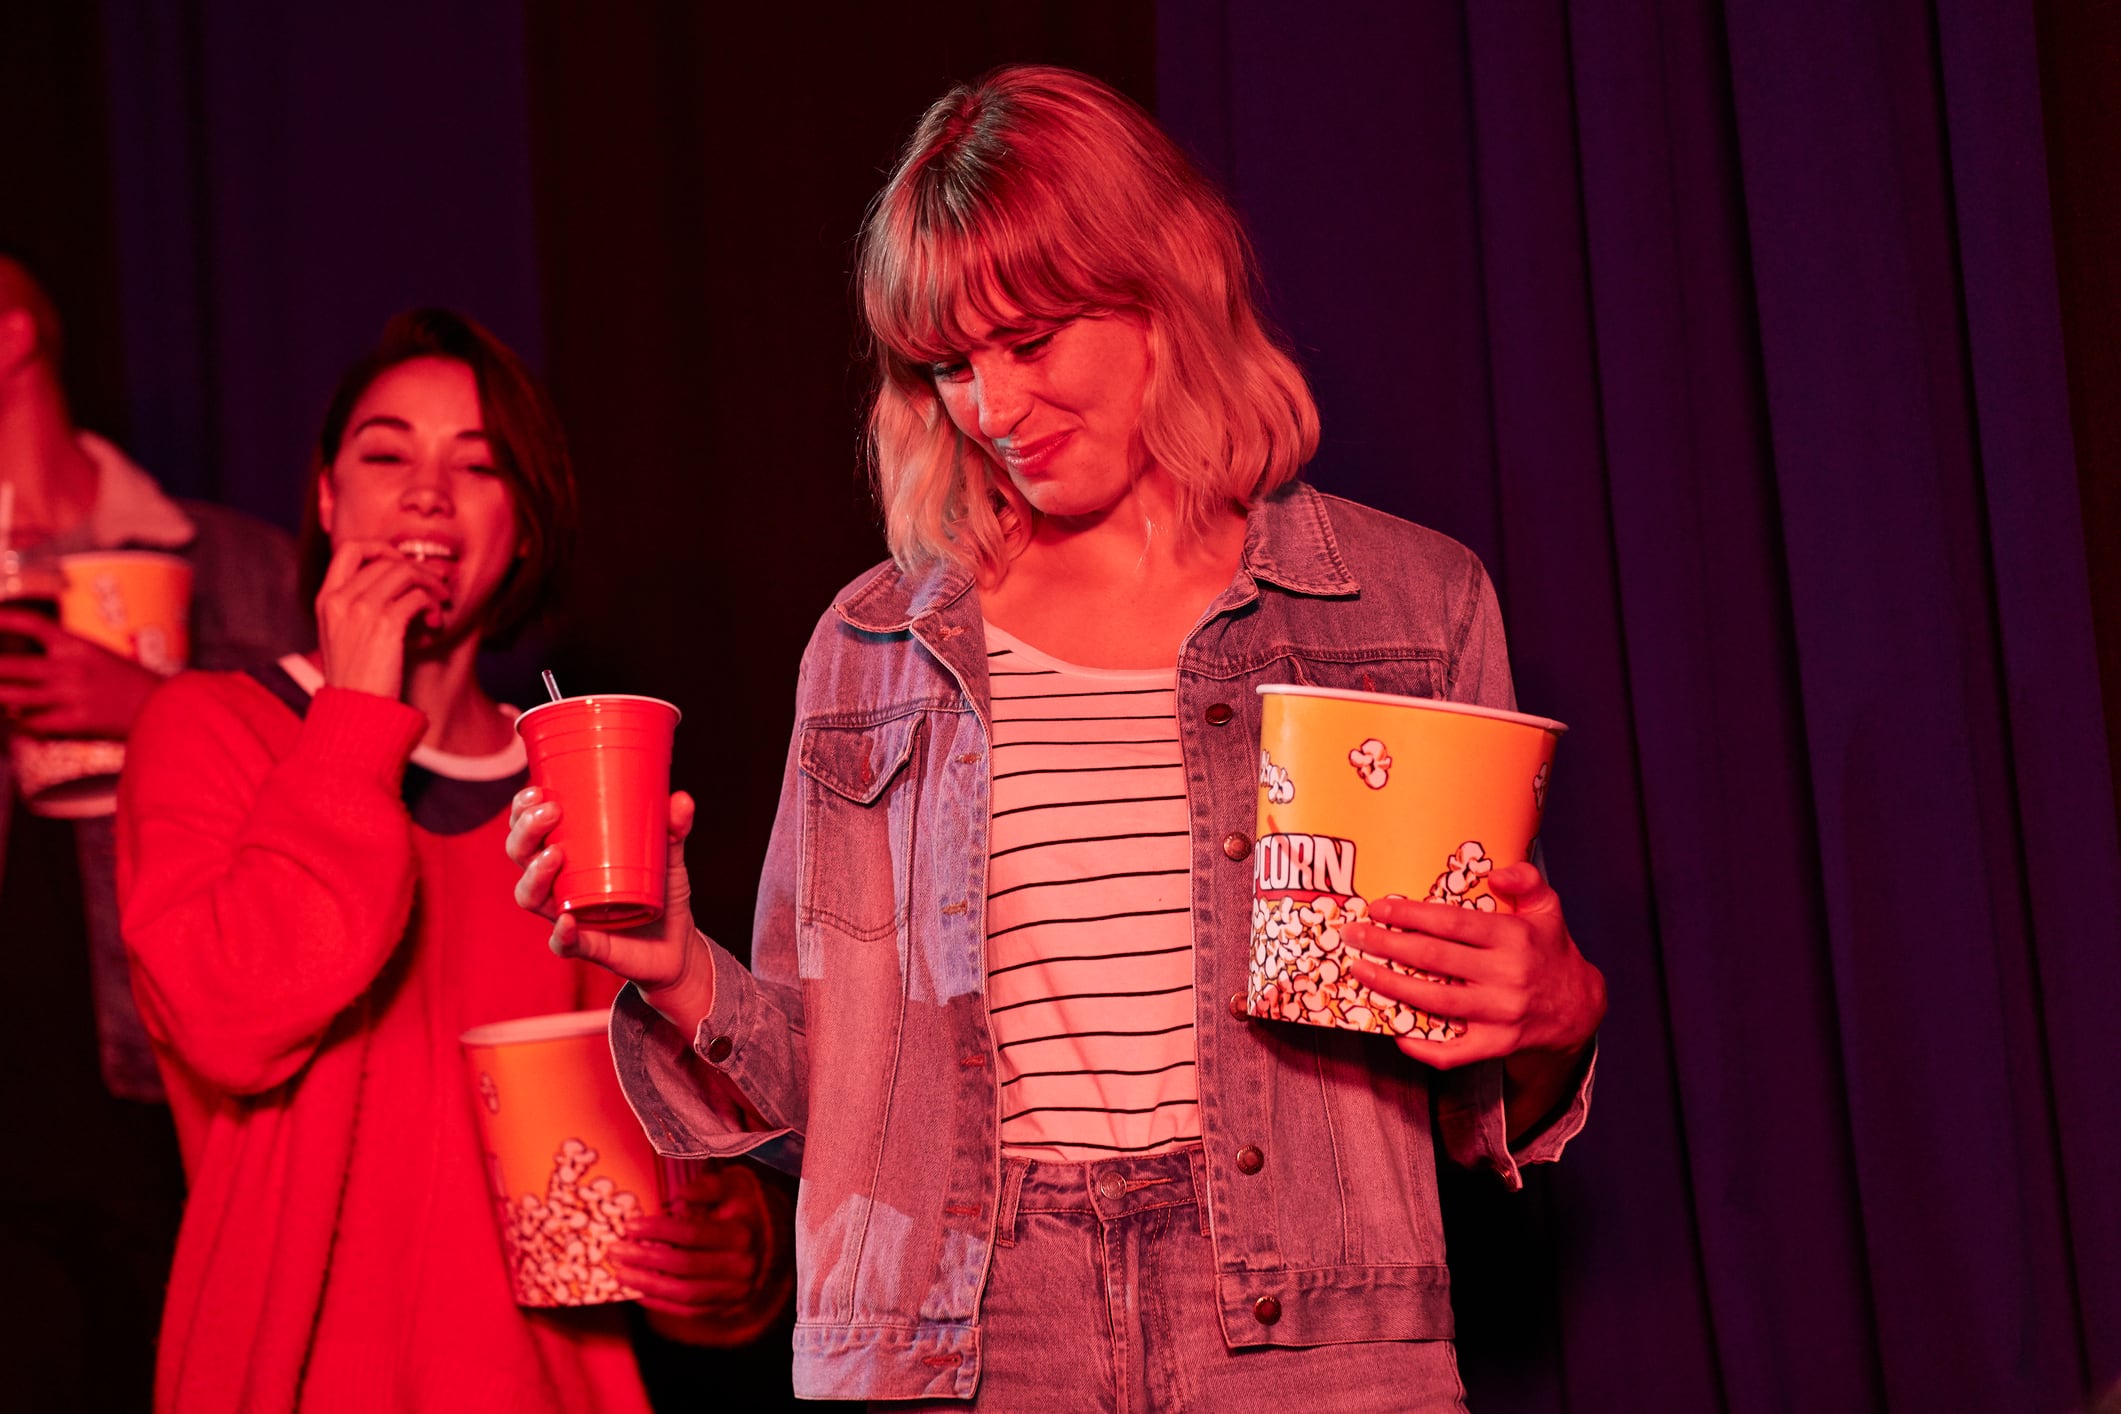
(1763, 350)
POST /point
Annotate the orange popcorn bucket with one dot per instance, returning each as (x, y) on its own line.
(1365, 796)
(137, 604)
(569, 1168)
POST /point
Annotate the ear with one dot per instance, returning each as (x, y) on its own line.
(18, 340)
(327, 502)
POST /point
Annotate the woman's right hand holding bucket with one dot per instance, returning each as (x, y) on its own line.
(667, 959)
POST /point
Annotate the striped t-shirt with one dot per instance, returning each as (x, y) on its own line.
(1089, 923)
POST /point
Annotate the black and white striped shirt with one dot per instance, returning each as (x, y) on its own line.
(1089, 925)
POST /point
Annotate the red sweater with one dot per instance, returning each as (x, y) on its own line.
(305, 957)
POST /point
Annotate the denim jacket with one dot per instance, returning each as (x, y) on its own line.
(857, 1052)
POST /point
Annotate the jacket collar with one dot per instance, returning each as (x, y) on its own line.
(1288, 542)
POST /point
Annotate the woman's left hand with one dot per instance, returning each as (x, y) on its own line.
(1523, 990)
(715, 1269)
(74, 688)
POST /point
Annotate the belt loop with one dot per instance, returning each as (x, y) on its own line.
(1013, 1171)
(1197, 1157)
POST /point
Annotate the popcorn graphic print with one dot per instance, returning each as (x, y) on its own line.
(1466, 870)
(1372, 763)
(559, 1241)
(1274, 780)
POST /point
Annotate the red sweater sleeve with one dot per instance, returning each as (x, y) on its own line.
(265, 870)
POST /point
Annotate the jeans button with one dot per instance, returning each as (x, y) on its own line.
(1266, 1310)
(1219, 714)
(1250, 1159)
(1237, 845)
(1238, 1008)
(1111, 1187)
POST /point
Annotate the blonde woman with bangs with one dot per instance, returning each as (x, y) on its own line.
(995, 1015)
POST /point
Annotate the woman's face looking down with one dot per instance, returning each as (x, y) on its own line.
(415, 470)
(1056, 404)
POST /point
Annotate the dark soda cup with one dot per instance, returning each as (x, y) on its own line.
(22, 643)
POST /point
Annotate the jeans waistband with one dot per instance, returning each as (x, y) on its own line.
(1107, 1189)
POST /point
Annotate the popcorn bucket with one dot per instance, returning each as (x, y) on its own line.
(569, 1168)
(607, 761)
(1365, 796)
(136, 603)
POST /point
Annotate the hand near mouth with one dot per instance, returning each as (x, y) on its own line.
(371, 594)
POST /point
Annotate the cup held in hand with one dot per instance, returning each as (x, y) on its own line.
(606, 760)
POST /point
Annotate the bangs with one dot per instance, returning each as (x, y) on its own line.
(939, 283)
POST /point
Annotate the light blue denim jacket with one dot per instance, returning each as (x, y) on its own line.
(857, 1051)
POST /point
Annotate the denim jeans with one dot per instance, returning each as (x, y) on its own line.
(1101, 1300)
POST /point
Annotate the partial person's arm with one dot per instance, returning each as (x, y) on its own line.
(260, 898)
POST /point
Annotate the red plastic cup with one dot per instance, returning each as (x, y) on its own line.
(606, 760)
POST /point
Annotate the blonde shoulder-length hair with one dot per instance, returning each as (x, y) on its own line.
(1043, 191)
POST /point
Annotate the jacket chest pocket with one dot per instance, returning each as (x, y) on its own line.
(1406, 672)
(859, 789)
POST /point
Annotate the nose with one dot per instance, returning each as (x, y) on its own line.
(1004, 397)
(427, 488)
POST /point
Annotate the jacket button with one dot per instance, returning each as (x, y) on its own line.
(1250, 1159)
(719, 1048)
(1266, 1310)
(1238, 1008)
(1237, 844)
(1219, 714)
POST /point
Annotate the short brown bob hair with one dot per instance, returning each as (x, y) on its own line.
(523, 432)
(1047, 190)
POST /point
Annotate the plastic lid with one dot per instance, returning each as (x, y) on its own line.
(530, 712)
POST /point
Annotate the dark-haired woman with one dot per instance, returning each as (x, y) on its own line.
(316, 906)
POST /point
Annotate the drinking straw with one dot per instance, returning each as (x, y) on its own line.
(552, 689)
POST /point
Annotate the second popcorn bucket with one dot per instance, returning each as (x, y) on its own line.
(137, 604)
(606, 760)
(569, 1168)
(1365, 796)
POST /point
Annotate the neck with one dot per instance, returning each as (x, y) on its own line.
(443, 683)
(1139, 543)
(55, 482)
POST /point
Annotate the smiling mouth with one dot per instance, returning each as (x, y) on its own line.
(1031, 457)
(421, 550)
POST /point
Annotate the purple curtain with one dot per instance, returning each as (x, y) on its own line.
(1726, 333)
(284, 178)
